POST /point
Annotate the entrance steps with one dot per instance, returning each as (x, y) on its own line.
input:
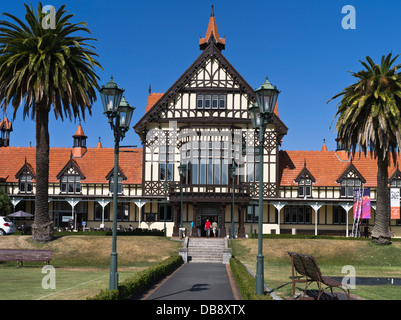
(206, 250)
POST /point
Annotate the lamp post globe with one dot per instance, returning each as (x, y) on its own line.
(111, 95)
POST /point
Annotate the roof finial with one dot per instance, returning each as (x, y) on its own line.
(212, 13)
(150, 89)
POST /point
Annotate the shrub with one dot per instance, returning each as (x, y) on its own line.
(245, 281)
(140, 281)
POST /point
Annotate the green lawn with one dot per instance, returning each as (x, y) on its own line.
(81, 265)
(368, 259)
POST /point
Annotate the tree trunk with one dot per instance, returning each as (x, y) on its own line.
(42, 228)
(381, 231)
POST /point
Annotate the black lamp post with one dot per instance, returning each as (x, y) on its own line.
(181, 170)
(261, 112)
(119, 112)
(232, 173)
(251, 190)
(165, 207)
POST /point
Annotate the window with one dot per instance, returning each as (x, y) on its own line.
(169, 216)
(339, 215)
(298, 214)
(199, 101)
(304, 187)
(253, 165)
(207, 101)
(215, 100)
(255, 214)
(207, 162)
(222, 101)
(99, 212)
(25, 183)
(166, 164)
(70, 184)
(395, 183)
(122, 211)
(348, 186)
(119, 186)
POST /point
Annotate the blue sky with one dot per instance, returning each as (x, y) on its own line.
(300, 45)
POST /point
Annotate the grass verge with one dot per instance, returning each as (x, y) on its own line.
(368, 259)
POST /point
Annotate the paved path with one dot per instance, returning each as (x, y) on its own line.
(197, 281)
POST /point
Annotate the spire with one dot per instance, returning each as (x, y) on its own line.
(324, 147)
(99, 144)
(212, 34)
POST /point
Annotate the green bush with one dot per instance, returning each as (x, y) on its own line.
(245, 281)
(140, 281)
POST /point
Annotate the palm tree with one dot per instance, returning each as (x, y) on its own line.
(369, 120)
(43, 68)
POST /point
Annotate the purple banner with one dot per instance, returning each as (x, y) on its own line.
(366, 204)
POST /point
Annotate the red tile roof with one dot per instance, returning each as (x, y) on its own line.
(95, 164)
(327, 166)
(152, 99)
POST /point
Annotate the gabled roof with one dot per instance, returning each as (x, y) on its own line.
(26, 169)
(305, 173)
(355, 173)
(94, 165)
(120, 173)
(71, 165)
(154, 113)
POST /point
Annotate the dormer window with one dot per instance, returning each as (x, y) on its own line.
(120, 178)
(25, 183)
(304, 187)
(348, 186)
(70, 178)
(119, 187)
(25, 176)
(395, 184)
(305, 180)
(350, 179)
(70, 184)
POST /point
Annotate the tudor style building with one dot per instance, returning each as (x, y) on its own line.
(200, 125)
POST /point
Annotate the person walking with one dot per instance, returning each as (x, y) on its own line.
(214, 227)
(207, 228)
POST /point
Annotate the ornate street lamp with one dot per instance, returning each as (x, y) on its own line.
(232, 173)
(119, 112)
(261, 112)
(181, 170)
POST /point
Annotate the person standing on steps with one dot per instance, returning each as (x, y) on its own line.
(207, 228)
(214, 227)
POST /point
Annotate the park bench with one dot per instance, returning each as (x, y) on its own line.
(25, 255)
(306, 266)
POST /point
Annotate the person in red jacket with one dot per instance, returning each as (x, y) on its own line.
(207, 228)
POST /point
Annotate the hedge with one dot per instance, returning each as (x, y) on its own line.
(140, 281)
(245, 281)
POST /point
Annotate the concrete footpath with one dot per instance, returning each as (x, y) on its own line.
(197, 281)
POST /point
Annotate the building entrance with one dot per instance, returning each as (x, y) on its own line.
(211, 212)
